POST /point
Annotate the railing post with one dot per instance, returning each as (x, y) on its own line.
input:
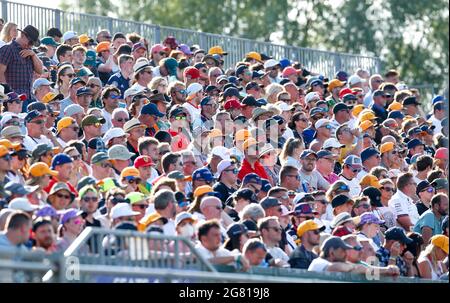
(4, 10)
(157, 34)
(57, 18)
(110, 25)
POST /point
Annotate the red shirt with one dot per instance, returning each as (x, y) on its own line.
(246, 168)
(53, 181)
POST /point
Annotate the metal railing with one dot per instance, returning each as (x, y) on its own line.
(327, 63)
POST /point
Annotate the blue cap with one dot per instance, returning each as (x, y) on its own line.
(265, 185)
(397, 234)
(396, 114)
(306, 153)
(303, 209)
(84, 91)
(233, 79)
(252, 178)
(76, 80)
(240, 70)
(368, 152)
(269, 202)
(323, 153)
(39, 106)
(202, 173)
(316, 81)
(437, 99)
(414, 142)
(205, 101)
(61, 159)
(342, 76)
(285, 63)
(151, 109)
(231, 92)
(340, 200)
(31, 115)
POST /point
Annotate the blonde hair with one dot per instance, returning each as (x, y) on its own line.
(288, 148)
(272, 91)
(5, 35)
(156, 82)
(430, 250)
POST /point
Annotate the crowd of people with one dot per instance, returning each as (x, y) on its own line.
(262, 163)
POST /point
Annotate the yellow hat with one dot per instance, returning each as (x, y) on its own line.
(366, 124)
(40, 169)
(51, 96)
(254, 55)
(152, 218)
(215, 133)
(201, 190)
(307, 226)
(6, 143)
(357, 109)
(64, 123)
(395, 106)
(130, 172)
(370, 180)
(366, 115)
(386, 147)
(216, 50)
(334, 83)
(249, 142)
(84, 38)
(440, 241)
(242, 135)
(3, 151)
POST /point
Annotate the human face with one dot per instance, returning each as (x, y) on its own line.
(5, 163)
(443, 207)
(75, 225)
(339, 255)
(61, 199)
(140, 207)
(212, 240)
(79, 57)
(313, 237)
(387, 191)
(255, 187)
(178, 165)
(45, 236)
(189, 165)
(274, 231)
(309, 163)
(256, 257)
(362, 208)
(119, 119)
(136, 133)
(89, 203)
(15, 106)
(145, 172)
(293, 180)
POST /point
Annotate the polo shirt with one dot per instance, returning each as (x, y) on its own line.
(404, 205)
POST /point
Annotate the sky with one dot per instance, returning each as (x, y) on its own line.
(43, 3)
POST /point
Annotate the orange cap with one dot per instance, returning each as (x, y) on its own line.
(130, 172)
(103, 46)
(40, 169)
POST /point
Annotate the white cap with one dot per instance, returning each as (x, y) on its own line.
(332, 143)
(271, 63)
(222, 166)
(69, 35)
(131, 92)
(222, 152)
(22, 204)
(183, 216)
(310, 96)
(73, 109)
(283, 106)
(140, 64)
(321, 123)
(285, 211)
(123, 210)
(353, 79)
(114, 132)
(210, 201)
(298, 197)
(7, 117)
(194, 88)
(401, 86)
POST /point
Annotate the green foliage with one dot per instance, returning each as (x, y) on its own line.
(409, 35)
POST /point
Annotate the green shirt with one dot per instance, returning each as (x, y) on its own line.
(428, 219)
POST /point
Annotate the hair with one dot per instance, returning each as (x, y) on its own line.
(168, 159)
(79, 48)
(275, 190)
(430, 250)
(62, 49)
(120, 110)
(156, 81)
(107, 90)
(288, 148)
(164, 181)
(124, 58)
(163, 137)
(414, 247)
(163, 198)
(434, 174)
(54, 32)
(206, 226)
(377, 171)
(331, 192)
(295, 117)
(114, 191)
(16, 220)
(287, 170)
(349, 238)
(78, 145)
(437, 199)
(134, 37)
(40, 221)
(386, 181)
(423, 162)
(5, 34)
(358, 201)
(403, 180)
(253, 244)
(264, 222)
(340, 129)
(253, 212)
(144, 142)
(173, 85)
(60, 73)
(402, 94)
(272, 91)
(118, 36)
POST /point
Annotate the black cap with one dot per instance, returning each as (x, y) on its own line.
(340, 200)
(250, 101)
(231, 92)
(340, 106)
(421, 186)
(374, 195)
(251, 225)
(246, 194)
(236, 229)
(32, 34)
(397, 234)
(410, 100)
(269, 202)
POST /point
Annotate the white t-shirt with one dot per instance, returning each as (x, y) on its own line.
(108, 124)
(194, 112)
(387, 214)
(61, 142)
(31, 143)
(437, 124)
(404, 205)
(278, 253)
(361, 174)
(355, 188)
(169, 228)
(207, 254)
(319, 265)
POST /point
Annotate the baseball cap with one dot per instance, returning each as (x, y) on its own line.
(73, 109)
(64, 123)
(306, 153)
(224, 164)
(202, 173)
(91, 120)
(122, 210)
(311, 96)
(288, 71)
(68, 214)
(85, 184)
(221, 152)
(307, 226)
(440, 183)
(143, 161)
(323, 153)
(247, 194)
(119, 152)
(387, 147)
(130, 172)
(76, 80)
(340, 219)
(61, 159)
(335, 83)
(440, 241)
(236, 229)
(397, 234)
(217, 50)
(369, 218)
(99, 157)
(368, 152)
(374, 195)
(339, 106)
(395, 106)
(321, 122)
(52, 96)
(341, 76)
(340, 200)
(192, 72)
(441, 153)
(11, 131)
(269, 202)
(271, 63)
(422, 185)
(249, 100)
(231, 92)
(177, 175)
(40, 169)
(353, 160)
(304, 208)
(40, 82)
(151, 109)
(413, 143)
(355, 79)
(184, 216)
(201, 190)
(334, 242)
(32, 115)
(332, 143)
(115, 132)
(251, 178)
(18, 189)
(410, 100)
(232, 104)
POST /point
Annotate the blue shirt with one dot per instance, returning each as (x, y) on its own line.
(428, 219)
(119, 81)
(64, 103)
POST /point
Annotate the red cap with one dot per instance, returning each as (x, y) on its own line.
(192, 72)
(143, 161)
(232, 103)
(23, 97)
(288, 71)
(346, 91)
(441, 153)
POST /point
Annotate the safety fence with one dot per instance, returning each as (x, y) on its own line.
(325, 62)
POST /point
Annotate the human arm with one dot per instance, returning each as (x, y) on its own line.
(424, 270)
(107, 66)
(404, 222)
(37, 63)
(427, 233)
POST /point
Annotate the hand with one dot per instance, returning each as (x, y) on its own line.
(393, 270)
(245, 264)
(48, 133)
(408, 257)
(395, 249)
(27, 53)
(355, 132)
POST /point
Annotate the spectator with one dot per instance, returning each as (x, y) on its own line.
(17, 230)
(44, 235)
(429, 262)
(71, 225)
(430, 222)
(402, 203)
(308, 233)
(271, 235)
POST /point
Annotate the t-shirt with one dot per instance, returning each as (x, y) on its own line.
(428, 219)
(386, 213)
(404, 205)
(421, 207)
(119, 81)
(5, 243)
(31, 143)
(301, 258)
(315, 180)
(207, 254)
(278, 253)
(353, 184)
(223, 190)
(319, 265)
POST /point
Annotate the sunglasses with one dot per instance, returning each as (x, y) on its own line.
(181, 91)
(106, 165)
(203, 180)
(78, 222)
(141, 206)
(76, 157)
(38, 122)
(234, 170)
(70, 75)
(67, 197)
(365, 206)
(429, 190)
(117, 200)
(296, 176)
(122, 120)
(357, 248)
(114, 96)
(14, 123)
(275, 228)
(89, 199)
(92, 85)
(21, 154)
(17, 101)
(162, 53)
(183, 204)
(180, 118)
